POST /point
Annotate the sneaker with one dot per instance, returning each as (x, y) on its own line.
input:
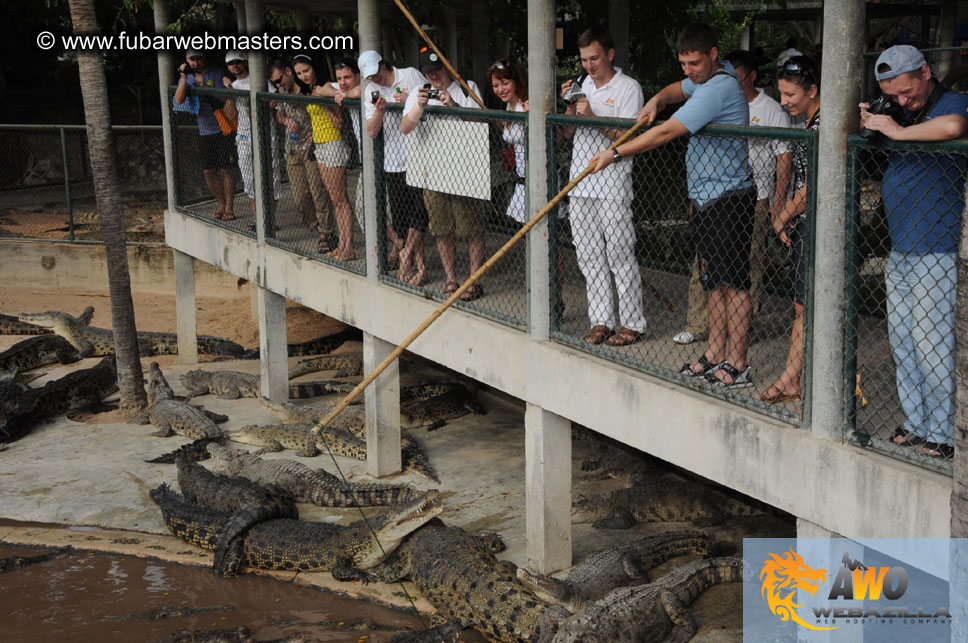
(685, 337)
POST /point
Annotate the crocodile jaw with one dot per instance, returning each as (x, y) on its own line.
(398, 524)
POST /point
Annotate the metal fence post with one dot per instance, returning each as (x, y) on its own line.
(850, 303)
(67, 185)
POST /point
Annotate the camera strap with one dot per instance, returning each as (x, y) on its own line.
(581, 80)
(940, 89)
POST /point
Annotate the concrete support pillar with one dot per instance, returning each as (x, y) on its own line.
(841, 93)
(274, 366)
(618, 26)
(453, 48)
(541, 89)
(240, 21)
(369, 22)
(547, 452)
(944, 61)
(823, 548)
(255, 21)
(744, 38)
(185, 308)
(382, 409)
(166, 67)
(480, 28)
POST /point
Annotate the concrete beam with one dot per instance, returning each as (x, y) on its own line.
(274, 362)
(547, 470)
(185, 311)
(382, 402)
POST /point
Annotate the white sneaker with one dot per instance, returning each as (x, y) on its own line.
(684, 337)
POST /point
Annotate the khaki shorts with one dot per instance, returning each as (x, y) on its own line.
(462, 216)
(333, 153)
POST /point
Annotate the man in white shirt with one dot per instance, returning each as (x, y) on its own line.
(450, 215)
(601, 205)
(407, 212)
(772, 164)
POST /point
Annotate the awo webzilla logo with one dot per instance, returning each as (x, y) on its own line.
(783, 576)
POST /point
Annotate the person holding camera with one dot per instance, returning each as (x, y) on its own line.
(799, 84)
(407, 212)
(214, 146)
(449, 215)
(601, 205)
(923, 201)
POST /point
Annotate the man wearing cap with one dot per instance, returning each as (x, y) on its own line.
(407, 211)
(450, 215)
(214, 146)
(239, 109)
(923, 200)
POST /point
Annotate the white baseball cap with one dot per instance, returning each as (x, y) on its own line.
(234, 55)
(192, 53)
(369, 63)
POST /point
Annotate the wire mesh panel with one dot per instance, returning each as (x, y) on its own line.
(457, 197)
(318, 209)
(907, 203)
(648, 260)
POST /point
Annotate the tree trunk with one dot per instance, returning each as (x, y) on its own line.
(107, 190)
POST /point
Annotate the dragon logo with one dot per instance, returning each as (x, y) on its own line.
(782, 577)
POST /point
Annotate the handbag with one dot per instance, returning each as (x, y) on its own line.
(227, 124)
(510, 163)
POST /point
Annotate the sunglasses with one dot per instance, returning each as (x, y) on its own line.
(235, 62)
(498, 64)
(794, 67)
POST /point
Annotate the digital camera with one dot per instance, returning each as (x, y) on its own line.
(574, 92)
(882, 105)
(374, 97)
(432, 93)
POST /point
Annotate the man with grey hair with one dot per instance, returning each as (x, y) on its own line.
(923, 200)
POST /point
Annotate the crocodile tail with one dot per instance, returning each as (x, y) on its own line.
(303, 390)
(192, 523)
(415, 461)
(228, 558)
(211, 345)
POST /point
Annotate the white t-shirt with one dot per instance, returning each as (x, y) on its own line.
(621, 97)
(355, 115)
(766, 112)
(406, 79)
(242, 105)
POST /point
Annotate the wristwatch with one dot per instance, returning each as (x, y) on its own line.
(616, 155)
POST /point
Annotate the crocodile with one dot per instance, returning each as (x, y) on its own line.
(194, 451)
(38, 351)
(458, 573)
(172, 416)
(10, 325)
(84, 388)
(249, 503)
(348, 552)
(325, 344)
(231, 385)
(434, 412)
(315, 486)
(606, 570)
(345, 365)
(11, 563)
(660, 502)
(647, 613)
(97, 342)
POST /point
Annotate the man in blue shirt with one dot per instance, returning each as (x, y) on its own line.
(724, 196)
(923, 199)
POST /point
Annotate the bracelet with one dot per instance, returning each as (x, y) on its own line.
(616, 155)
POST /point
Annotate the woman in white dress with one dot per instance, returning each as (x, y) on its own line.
(509, 81)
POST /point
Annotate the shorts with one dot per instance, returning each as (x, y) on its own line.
(333, 153)
(724, 231)
(216, 151)
(407, 208)
(798, 260)
(454, 214)
(244, 146)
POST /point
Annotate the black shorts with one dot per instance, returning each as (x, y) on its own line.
(216, 151)
(798, 260)
(724, 231)
(407, 208)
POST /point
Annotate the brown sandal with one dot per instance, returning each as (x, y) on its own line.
(624, 337)
(598, 334)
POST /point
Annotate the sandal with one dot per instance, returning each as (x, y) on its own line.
(776, 395)
(416, 279)
(451, 288)
(707, 367)
(476, 291)
(938, 450)
(624, 337)
(739, 379)
(903, 438)
(598, 334)
(325, 245)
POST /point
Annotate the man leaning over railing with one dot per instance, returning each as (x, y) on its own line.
(924, 200)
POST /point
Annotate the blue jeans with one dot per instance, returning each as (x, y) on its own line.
(921, 295)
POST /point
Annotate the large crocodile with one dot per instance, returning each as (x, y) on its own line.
(10, 325)
(346, 551)
(316, 486)
(84, 388)
(458, 573)
(647, 613)
(94, 341)
(434, 412)
(345, 365)
(660, 502)
(325, 344)
(11, 563)
(38, 351)
(172, 416)
(249, 503)
(603, 571)
(231, 385)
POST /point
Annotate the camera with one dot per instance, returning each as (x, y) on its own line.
(432, 94)
(882, 105)
(574, 92)
(374, 97)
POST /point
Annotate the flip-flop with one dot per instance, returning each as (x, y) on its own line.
(907, 438)
(228, 216)
(938, 450)
(776, 395)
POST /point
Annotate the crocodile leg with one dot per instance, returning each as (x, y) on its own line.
(684, 624)
(232, 393)
(343, 570)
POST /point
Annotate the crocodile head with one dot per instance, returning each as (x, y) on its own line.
(158, 388)
(396, 524)
(228, 461)
(585, 508)
(53, 319)
(190, 378)
(550, 590)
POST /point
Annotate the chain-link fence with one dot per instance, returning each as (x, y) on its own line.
(47, 190)
(907, 201)
(657, 250)
(455, 193)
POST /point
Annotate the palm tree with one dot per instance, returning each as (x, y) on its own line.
(107, 190)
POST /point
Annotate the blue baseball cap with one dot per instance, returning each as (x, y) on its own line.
(899, 59)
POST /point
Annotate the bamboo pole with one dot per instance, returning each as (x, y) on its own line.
(450, 68)
(352, 395)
